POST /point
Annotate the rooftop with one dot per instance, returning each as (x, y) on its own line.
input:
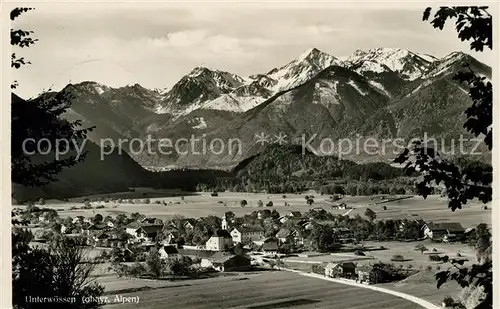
(446, 226)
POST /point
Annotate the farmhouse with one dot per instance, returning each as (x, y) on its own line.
(294, 236)
(344, 234)
(144, 232)
(132, 228)
(345, 270)
(445, 231)
(369, 274)
(149, 221)
(149, 232)
(340, 206)
(117, 241)
(419, 223)
(223, 261)
(171, 236)
(219, 241)
(95, 229)
(101, 240)
(169, 252)
(189, 224)
(318, 209)
(270, 246)
(247, 234)
(307, 225)
(290, 216)
(78, 219)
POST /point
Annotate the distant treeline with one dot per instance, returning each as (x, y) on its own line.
(278, 169)
(285, 169)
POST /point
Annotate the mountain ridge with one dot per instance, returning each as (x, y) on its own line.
(317, 92)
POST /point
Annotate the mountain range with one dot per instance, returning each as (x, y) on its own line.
(381, 93)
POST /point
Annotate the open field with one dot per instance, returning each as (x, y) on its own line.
(423, 285)
(414, 257)
(198, 205)
(433, 208)
(265, 290)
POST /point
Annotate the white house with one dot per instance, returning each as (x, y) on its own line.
(220, 241)
(132, 228)
(247, 234)
(149, 232)
(144, 232)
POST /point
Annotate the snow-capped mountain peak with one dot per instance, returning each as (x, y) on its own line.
(303, 68)
(384, 68)
(358, 54)
(408, 64)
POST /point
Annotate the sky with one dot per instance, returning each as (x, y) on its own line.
(155, 44)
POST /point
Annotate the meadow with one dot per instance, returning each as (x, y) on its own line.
(278, 289)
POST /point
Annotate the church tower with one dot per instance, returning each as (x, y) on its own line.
(224, 223)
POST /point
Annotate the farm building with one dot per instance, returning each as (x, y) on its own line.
(340, 206)
(111, 240)
(307, 225)
(444, 231)
(144, 232)
(149, 232)
(132, 228)
(150, 221)
(78, 219)
(222, 261)
(270, 246)
(369, 274)
(168, 252)
(116, 241)
(294, 236)
(189, 224)
(345, 270)
(170, 236)
(293, 215)
(219, 241)
(94, 229)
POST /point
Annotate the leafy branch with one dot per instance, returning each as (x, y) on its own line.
(472, 23)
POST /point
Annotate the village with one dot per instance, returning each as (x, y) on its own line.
(359, 248)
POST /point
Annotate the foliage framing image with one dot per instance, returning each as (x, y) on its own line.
(473, 24)
(63, 270)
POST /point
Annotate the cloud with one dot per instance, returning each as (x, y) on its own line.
(319, 30)
(181, 39)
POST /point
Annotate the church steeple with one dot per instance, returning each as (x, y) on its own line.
(224, 223)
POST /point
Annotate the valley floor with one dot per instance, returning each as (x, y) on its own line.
(201, 204)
